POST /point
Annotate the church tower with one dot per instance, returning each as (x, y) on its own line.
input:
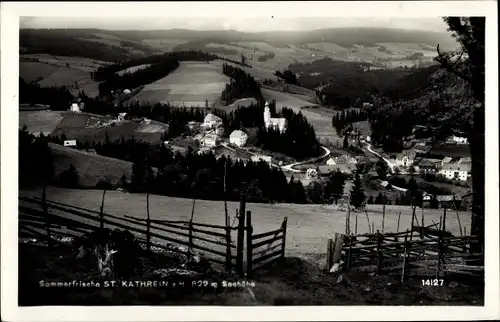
(267, 115)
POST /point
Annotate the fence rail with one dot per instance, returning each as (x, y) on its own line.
(46, 219)
(55, 218)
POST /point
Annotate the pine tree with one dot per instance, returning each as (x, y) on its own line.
(357, 192)
(138, 175)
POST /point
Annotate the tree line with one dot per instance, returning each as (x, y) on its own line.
(242, 85)
(104, 72)
(288, 76)
(344, 118)
(58, 98)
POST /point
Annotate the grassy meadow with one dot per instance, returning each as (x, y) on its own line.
(309, 226)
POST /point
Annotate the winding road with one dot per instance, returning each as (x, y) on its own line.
(390, 165)
(290, 166)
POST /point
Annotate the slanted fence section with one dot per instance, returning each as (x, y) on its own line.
(265, 248)
(52, 221)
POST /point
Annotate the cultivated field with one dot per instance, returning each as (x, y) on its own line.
(80, 63)
(85, 127)
(40, 121)
(188, 85)
(54, 72)
(133, 69)
(163, 44)
(90, 167)
(309, 226)
(31, 71)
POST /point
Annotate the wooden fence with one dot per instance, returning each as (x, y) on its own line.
(419, 251)
(51, 221)
(262, 251)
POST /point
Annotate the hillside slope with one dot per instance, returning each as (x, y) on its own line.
(91, 167)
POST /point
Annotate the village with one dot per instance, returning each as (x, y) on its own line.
(453, 172)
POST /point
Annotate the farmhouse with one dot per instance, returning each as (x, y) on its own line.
(75, 108)
(238, 138)
(458, 170)
(448, 201)
(203, 150)
(274, 123)
(70, 143)
(367, 105)
(458, 139)
(345, 159)
(210, 140)
(258, 158)
(212, 121)
(405, 159)
(311, 173)
(121, 117)
(428, 165)
(325, 170)
(330, 162)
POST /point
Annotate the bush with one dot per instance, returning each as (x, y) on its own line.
(69, 178)
(104, 184)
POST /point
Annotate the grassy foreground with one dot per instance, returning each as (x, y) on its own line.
(296, 282)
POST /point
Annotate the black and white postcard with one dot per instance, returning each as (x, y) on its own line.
(232, 161)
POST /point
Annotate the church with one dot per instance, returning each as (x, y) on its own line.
(275, 123)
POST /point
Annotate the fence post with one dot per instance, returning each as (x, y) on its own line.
(349, 258)
(148, 225)
(444, 219)
(405, 257)
(379, 252)
(329, 255)
(356, 225)
(397, 229)
(283, 242)
(46, 214)
(412, 222)
(439, 247)
(228, 248)
(241, 235)
(423, 225)
(249, 243)
(383, 216)
(101, 215)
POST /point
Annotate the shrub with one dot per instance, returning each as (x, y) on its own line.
(69, 178)
(104, 184)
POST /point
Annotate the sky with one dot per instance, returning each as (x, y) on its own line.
(272, 23)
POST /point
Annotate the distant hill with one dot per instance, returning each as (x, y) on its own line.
(116, 45)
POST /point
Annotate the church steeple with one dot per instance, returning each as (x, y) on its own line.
(267, 114)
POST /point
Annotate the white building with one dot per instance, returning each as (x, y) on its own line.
(70, 143)
(75, 108)
(121, 117)
(455, 171)
(258, 158)
(345, 159)
(274, 123)
(405, 159)
(238, 138)
(331, 162)
(212, 121)
(311, 173)
(210, 140)
(458, 139)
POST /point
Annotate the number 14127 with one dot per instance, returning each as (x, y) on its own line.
(432, 282)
